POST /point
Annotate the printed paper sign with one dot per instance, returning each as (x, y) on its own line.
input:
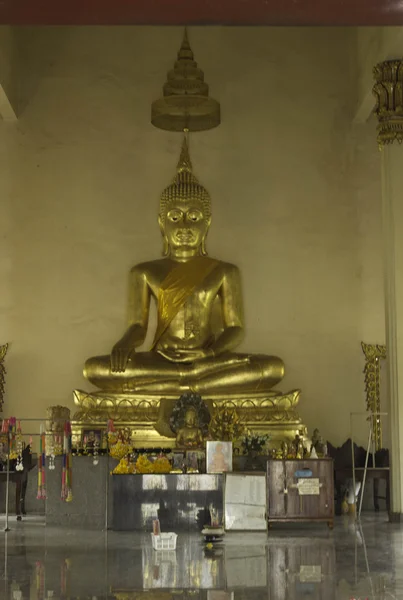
(310, 573)
(308, 487)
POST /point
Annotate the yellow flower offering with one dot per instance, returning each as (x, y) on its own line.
(162, 465)
(112, 438)
(143, 465)
(124, 468)
(120, 450)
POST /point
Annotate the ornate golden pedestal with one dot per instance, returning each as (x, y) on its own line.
(147, 416)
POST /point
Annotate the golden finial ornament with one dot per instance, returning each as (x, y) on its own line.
(186, 103)
(184, 162)
(388, 90)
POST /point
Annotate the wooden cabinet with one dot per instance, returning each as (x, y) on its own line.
(300, 490)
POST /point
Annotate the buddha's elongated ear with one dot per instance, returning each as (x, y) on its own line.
(203, 251)
(166, 251)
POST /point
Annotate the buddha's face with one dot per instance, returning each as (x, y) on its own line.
(190, 418)
(185, 225)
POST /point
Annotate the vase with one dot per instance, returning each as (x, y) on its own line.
(254, 461)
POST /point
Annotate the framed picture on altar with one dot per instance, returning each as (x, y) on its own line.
(90, 437)
(178, 459)
(195, 459)
(219, 457)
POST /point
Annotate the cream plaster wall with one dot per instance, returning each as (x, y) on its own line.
(82, 170)
(8, 71)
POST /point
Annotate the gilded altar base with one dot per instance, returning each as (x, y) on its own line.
(147, 416)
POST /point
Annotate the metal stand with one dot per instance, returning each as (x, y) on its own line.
(370, 446)
(6, 527)
(107, 486)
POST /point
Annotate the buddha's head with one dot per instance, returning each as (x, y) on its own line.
(185, 210)
(190, 418)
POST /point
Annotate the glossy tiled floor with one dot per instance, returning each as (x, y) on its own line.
(289, 564)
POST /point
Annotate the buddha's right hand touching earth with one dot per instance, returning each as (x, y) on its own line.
(120, 354)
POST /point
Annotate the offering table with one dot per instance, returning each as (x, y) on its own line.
(181, 502)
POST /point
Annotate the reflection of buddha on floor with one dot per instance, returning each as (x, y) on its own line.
(188, 351)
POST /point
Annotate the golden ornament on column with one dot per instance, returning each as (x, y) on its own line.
(374, 353)
(186, 103)
(3, 352)
(388, 91)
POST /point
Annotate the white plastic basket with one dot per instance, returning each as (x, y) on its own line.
(164, 541)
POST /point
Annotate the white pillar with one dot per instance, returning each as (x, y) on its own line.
(389, 92)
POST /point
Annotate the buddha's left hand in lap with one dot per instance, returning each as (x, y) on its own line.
(186, 356)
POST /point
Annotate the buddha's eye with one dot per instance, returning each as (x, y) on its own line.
(174, 215)
(195, 215)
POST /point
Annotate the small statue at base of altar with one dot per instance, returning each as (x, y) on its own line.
(190, 435)
(319, 444)
(189, 420)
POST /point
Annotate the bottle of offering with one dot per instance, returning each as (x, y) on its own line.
(156, 527)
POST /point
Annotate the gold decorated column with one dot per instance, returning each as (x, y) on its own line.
(388, 90)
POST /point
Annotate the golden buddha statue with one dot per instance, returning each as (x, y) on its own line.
(190, 435)
(189, 351)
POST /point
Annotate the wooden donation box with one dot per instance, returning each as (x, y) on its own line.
(300, 490)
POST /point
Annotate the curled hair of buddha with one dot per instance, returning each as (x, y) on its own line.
(185, 186)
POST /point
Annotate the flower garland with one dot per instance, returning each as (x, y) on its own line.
(8, 427)
(120, 444)
(19, 444)
(67, 492)
(41, 495)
